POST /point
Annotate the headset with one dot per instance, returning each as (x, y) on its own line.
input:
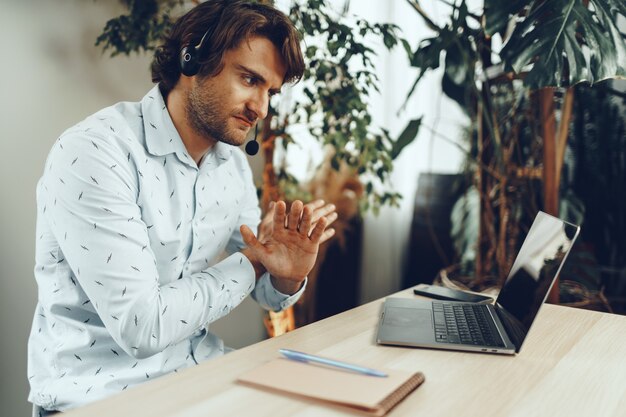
(189, 55)
(189, 60)
(252, 147)
(190, 65)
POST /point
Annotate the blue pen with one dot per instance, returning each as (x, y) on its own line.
(305, 357)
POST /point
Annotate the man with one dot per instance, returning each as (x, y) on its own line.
(138, 202)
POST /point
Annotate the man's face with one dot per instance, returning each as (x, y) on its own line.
(225, 107)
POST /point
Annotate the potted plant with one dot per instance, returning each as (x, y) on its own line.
(519, 98)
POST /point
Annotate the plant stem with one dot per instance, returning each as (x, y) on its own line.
(421, 12)
(561, 143)
(454, 6)
(498, 176)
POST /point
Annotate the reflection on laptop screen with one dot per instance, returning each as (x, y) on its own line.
(538, 262)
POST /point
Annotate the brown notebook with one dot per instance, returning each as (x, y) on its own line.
(372, 394)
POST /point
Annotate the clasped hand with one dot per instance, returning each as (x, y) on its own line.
(288, 243)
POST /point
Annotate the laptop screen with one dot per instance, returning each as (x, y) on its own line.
(538, 263)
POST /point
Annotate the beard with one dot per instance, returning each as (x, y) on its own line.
(206, 115)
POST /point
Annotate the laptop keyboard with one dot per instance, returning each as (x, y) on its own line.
(465, 324)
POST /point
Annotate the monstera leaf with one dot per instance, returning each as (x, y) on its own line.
(563, 42)
(499, 12)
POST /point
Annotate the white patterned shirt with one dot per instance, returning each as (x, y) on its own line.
(130, 233)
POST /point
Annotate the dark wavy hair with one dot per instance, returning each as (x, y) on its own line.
(233, 22)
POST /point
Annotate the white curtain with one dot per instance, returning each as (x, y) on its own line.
(386, 237)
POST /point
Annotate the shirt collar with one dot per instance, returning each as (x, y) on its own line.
(162, 138)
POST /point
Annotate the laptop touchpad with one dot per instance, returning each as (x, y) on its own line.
(407, 317)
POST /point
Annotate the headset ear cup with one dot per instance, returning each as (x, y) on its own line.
(189, 64)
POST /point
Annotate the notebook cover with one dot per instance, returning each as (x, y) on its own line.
(373, 394)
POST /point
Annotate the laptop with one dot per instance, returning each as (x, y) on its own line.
(498, 328)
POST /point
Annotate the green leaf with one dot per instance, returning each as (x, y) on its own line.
(426, 57)
(389, 40)
(498, 13)
(427, 54)
(554, 36)
(406, 137)
(407, 47)
(465, 226)
(140, 30)
(456, 66)
(455, 91)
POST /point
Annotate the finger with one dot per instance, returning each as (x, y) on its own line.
(248, 237)
(318, 230)
(305, 223)
(331, 218)
(279, 214)
(293, 220)
(269, 215)
(328, 233)
(315, 204)
(323, 212)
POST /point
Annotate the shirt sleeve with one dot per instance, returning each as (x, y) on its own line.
(89, 191)
(270, 298)
(264, 292)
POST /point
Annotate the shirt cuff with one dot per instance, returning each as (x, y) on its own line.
(272, 299)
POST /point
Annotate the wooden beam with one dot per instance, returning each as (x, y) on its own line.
(545, 97)
(548, 131)
(561, 140)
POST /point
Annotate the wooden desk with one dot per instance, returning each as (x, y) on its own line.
(572, 364)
